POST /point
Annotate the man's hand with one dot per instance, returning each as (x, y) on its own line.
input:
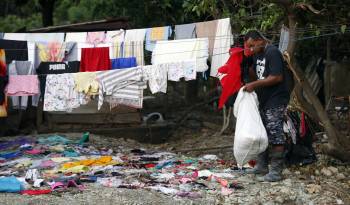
(249, 87)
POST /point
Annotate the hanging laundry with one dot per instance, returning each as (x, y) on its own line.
(178, 70)
(80, 39)
(122, 85)
(182, 50)
(190, 66)
(54, 52)
(3, 83)
(96, 37)
(15, 50)
(207, 29)
(134, 45)
(1, 35)
(222, 43)
(123, 63)
(22, 85)
(52, 68)
(86, 82)
(185, 31)
(60, 94)
(135, 35)
(3, 69)
(45, 37)
(31, 52)
(95, 59)
(231, 81)
(175, 71)
(15, 36)
(22, 68)
(74, 66)
(117, 39)
(157, 77)
(156, 34)
(71, 51)
(35, 37)
(117, 35)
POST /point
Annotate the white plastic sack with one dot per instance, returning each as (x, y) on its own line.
(250, 134)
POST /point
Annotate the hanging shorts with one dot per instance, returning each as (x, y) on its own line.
(273, 122)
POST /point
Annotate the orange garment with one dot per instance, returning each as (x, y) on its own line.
(102, 161)
(157, 33)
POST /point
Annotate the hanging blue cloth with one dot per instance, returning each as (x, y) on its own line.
(119, 63)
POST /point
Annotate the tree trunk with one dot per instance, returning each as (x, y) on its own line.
(334, 148)
(47, 7)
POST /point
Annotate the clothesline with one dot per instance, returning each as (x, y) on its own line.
(171, 40)
(168, 41)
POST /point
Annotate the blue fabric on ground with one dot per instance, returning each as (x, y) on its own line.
(10, 184)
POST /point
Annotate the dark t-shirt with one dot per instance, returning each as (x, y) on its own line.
(54, 68)
(14, 50)
(270, 62)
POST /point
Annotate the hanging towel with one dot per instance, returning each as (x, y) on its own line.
(135, 35)
(207, 29)
(95, 59)
(117, 39)
(123, 85)
(181, 50)
(155, 34)
(185, 31)
(134, 45)
(119, 63)
(222, 43)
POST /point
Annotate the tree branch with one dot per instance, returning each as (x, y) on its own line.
(306, 6)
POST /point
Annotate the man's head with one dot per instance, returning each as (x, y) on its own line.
(254, 41)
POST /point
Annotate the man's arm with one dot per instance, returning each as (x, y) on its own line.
(269, 81)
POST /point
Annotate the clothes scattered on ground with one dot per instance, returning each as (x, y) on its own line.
(48, 164)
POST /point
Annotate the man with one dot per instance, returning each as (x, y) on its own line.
(268, 79)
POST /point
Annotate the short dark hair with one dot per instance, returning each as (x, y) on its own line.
(253, 34)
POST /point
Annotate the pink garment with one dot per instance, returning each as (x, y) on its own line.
(22, 85)
(55, 51)
(34, 151)
(96, 37)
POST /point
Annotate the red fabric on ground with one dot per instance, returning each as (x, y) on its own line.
(36, 192)
(231, 83)
(95, 59)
